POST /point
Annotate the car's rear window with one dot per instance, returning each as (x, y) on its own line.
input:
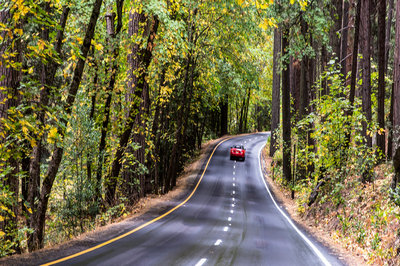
(238, 147)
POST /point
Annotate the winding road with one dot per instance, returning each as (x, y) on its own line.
(229, 219)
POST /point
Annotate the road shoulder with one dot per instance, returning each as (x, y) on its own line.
(283, 198)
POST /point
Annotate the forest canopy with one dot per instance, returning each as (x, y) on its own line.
(102, 102)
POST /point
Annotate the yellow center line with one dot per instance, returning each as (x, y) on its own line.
(143, 225)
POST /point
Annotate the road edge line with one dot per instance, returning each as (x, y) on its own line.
(308, 241)
(143, 225)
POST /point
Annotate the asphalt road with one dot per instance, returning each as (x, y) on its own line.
(231, 219)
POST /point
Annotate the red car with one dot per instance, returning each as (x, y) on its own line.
(238, 152)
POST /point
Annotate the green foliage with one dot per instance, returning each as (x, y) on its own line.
(337, 151)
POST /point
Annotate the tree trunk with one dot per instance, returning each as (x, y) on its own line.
(305, 86)
(286, 127)
(276, 91)
(10, 77)
(396, 87)
(181, 124)
(241, 117)
(388, 34)
(387, 48)
(324, 62)
(336, 14)
(304, 75)
(139, 60)
(295, 77)
(355, 56)
(246, 110)
(390, 134)
(153, 165)
(380, 141)
(137, 24)
(365, 42)
(113, 34)
(38, 221)
(344, 45)
(224, 115)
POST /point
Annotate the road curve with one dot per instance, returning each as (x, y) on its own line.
(231, 219)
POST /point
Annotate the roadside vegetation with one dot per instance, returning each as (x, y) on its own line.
(335, 148)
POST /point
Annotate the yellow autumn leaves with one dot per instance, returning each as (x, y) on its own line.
(264, 4)
(260, 4)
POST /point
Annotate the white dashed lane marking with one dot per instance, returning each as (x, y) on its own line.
(201, 262)
(230, 219)
(225, 228)
(218, 242)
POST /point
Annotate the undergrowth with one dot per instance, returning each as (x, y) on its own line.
(336, 180)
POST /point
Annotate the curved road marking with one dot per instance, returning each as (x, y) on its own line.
(145, 224)
(310, 244)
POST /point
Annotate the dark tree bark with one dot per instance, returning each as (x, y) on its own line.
(380, 141)
(387, 48)
(181, 124)
(34, 168)
(137, 23)
(10, 77)
(223, 105)
(47, 73)
(304, 76)
(388, 33)
(365, 42)
(396, 91)
(350, 40)
(295, 79)
(185, 101)
(336, 14)
(355, 54)
(396, 102)
(139, 61)
(241, 120)
(276, 91)
(305, 87)
(113, 35)
(246, 110)
(344, 39)
(390, 134)
(153, 165)
(286, 126)
(39, 216)
(324, 62)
